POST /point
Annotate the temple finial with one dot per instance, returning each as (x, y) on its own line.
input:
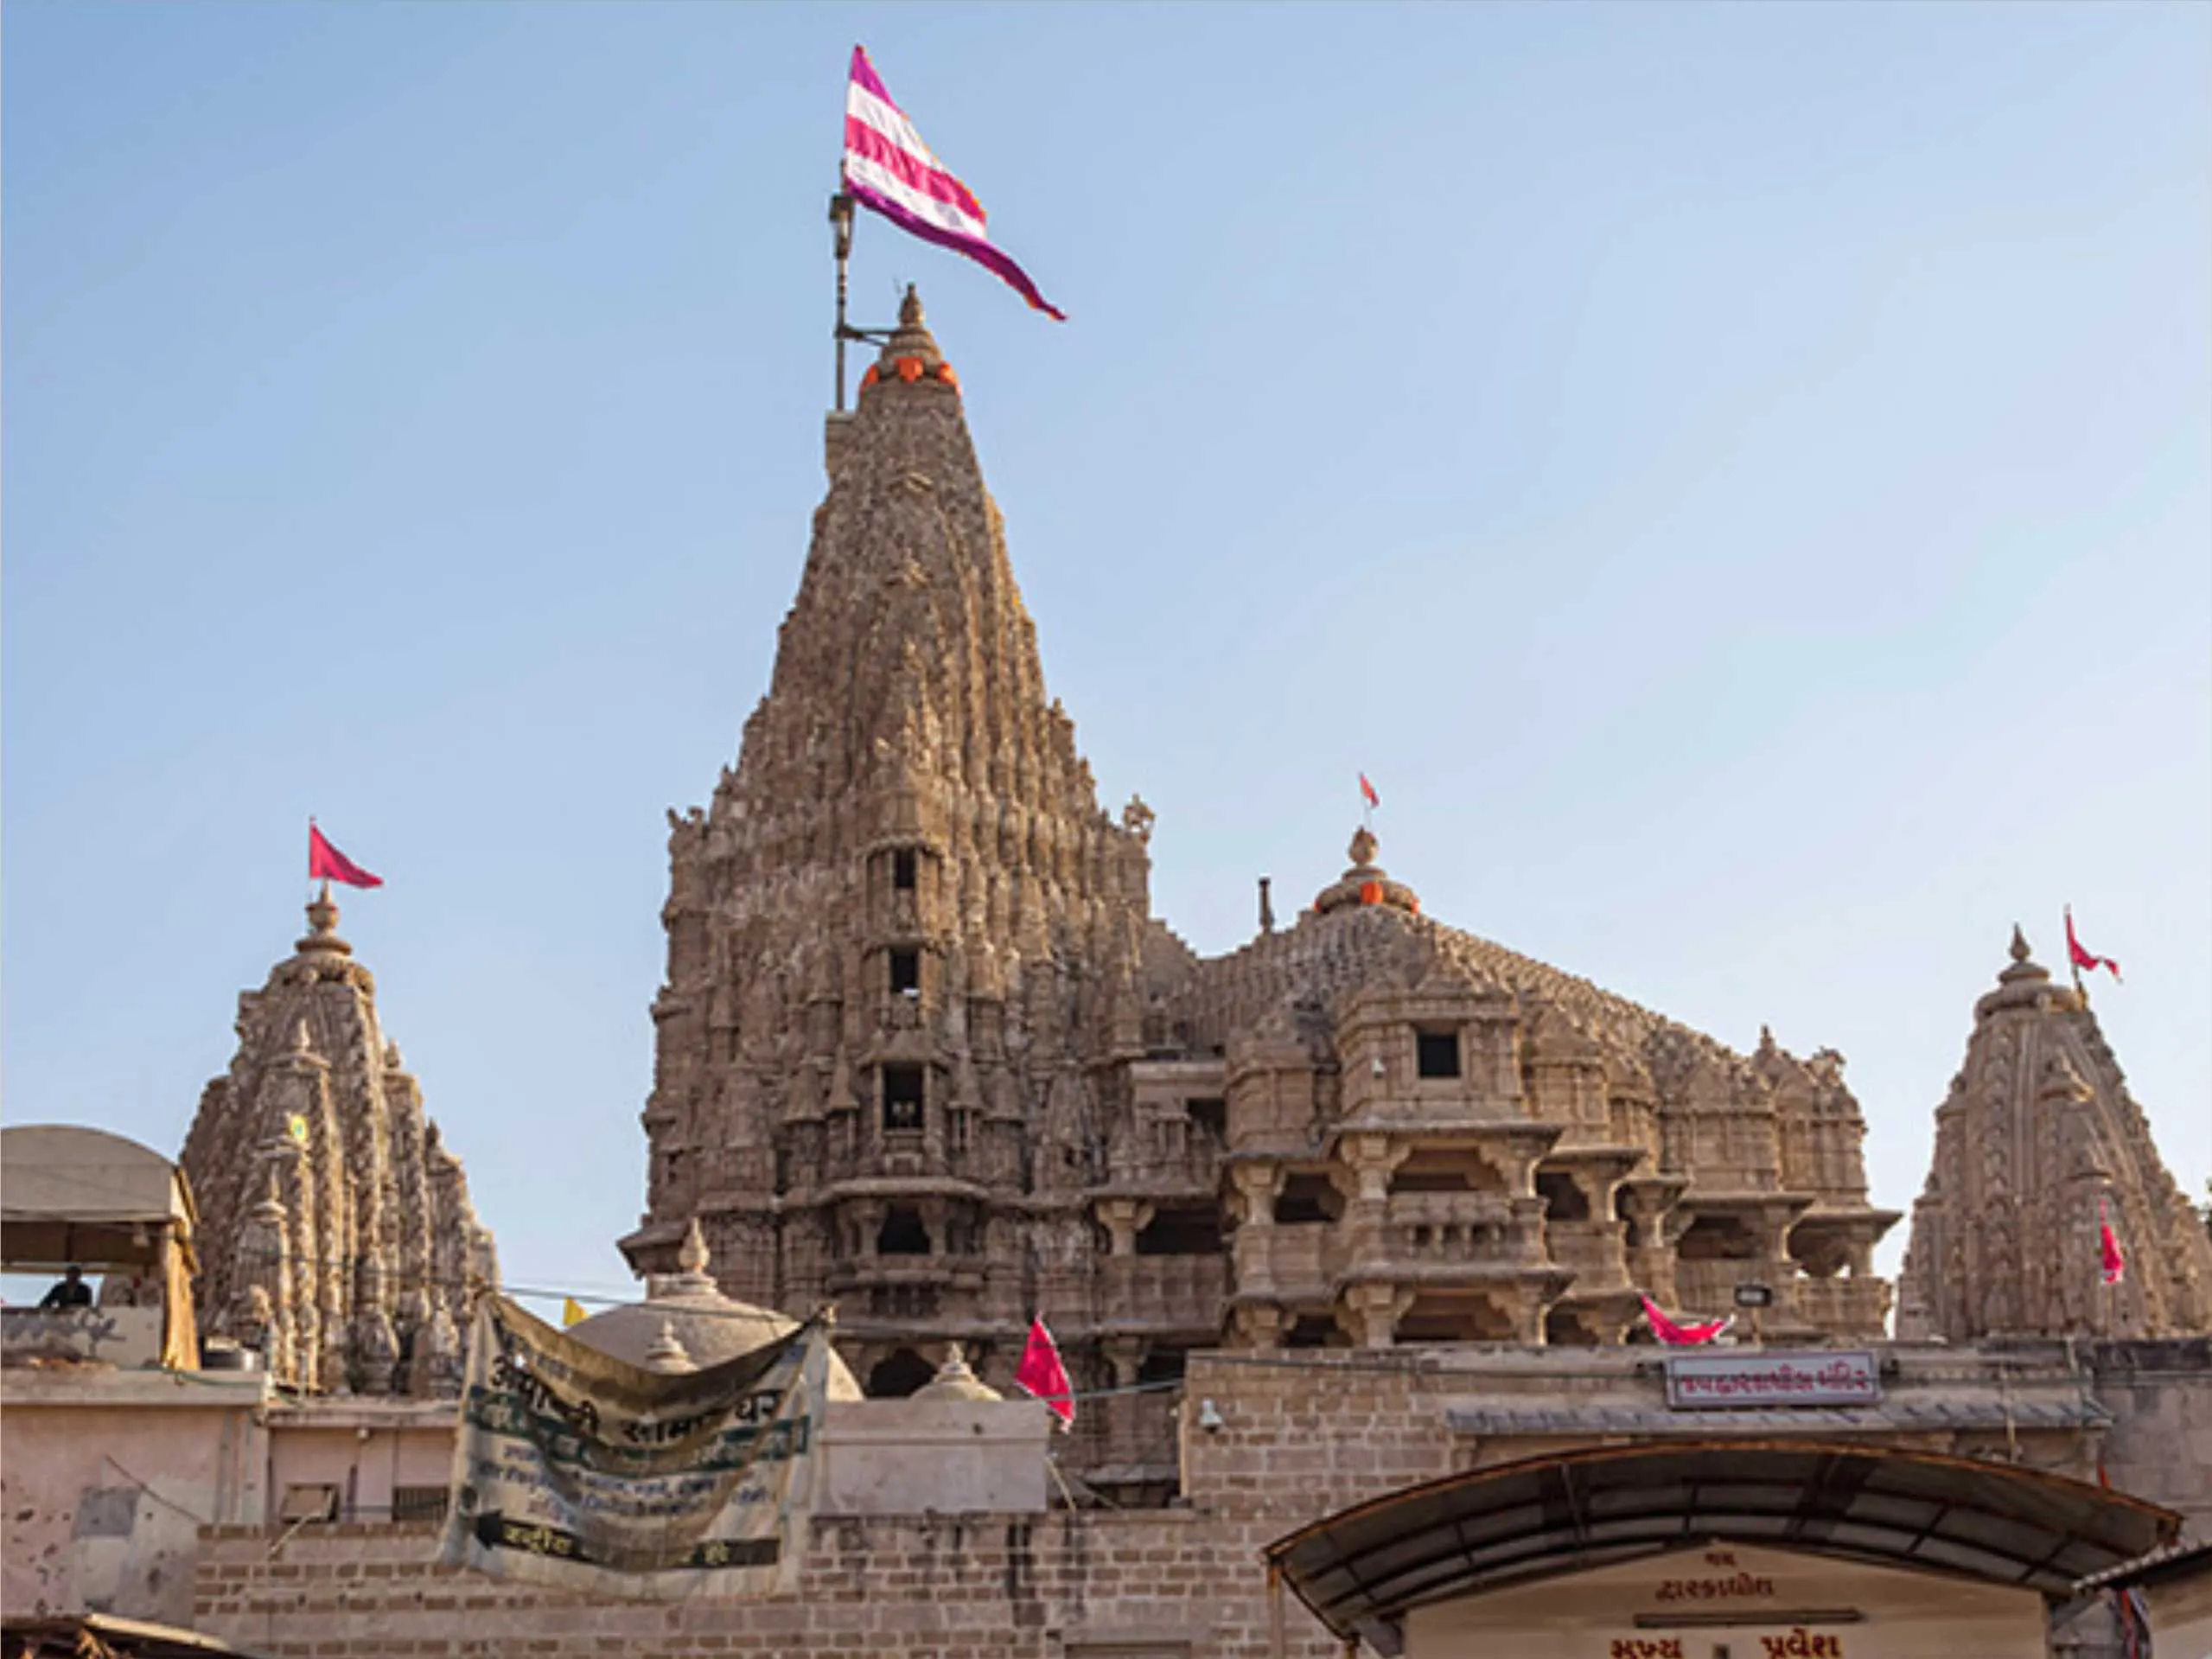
(2019, 944)
(322, 925)
(692, 1254)
(667, 1353)
(910, 309)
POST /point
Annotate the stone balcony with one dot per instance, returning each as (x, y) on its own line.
(1162, 1294)
(1592, 1251)
(1191, 1170)
(1285, 1260)
(1849, 1310)
(1707, 1289)
(871, 1272)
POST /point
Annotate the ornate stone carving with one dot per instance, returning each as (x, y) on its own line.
(923, 1047)
(336, 1234)
(2037, 1140)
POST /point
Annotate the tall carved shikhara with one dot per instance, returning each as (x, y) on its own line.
(923, 1051)
(2036, 1147)
(337, 1237)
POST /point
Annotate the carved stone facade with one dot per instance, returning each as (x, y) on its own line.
(337, 1238)
(923, 1051)
(2036, 1147)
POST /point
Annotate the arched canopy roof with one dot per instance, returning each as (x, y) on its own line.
(73, 1194)
(1362, 1569)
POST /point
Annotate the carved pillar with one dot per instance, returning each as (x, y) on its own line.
(1124, 1219)
(1257, 1325)
(1252, 1191)
(1371, 1312)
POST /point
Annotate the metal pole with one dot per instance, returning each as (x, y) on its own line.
(841, 231)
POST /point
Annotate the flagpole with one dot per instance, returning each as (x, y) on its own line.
(841, 233)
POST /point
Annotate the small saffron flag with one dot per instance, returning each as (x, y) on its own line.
(1041, 1374)
(571, 1312)
(2111, 1259)
(1679, 1336)
(888, 169)
(325, 863)
(1367, 792)
(2084, 959)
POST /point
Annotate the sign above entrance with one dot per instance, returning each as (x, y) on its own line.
(1717, 1381)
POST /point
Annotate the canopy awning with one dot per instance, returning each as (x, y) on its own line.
(70, 1193)
(1363, 1570)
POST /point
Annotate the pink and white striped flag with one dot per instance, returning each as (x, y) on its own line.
(887, 168)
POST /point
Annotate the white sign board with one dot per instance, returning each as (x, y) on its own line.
(1729, 1380)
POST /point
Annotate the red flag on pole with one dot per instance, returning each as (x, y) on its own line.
(2111, 1257)
(1367, 792)
(2083, 958)
(1041, 1374)
(1682, 1335)
(325, 863)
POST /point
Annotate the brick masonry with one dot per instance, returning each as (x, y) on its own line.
(1292, 1446)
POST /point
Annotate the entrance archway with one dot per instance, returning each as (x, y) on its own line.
(1374, 1571)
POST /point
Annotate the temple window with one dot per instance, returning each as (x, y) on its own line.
(1209, 1118)
(903, 865)
(902, 1097)
(1717, 1238)
(1564, 1196)
(899, 1375)
(417, 1503)
(1307, 1198)
(1164, 1365)
(906, 972)
(1181, 1230)
(1563, 1329)
(903, 1233)
(1435, 1054)
(1313, 1330)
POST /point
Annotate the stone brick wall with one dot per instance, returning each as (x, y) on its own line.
(2161, 1446)
(1298, 1438)
(1132, 1583)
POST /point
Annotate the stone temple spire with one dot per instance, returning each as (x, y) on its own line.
(2038, 1139)
(336, 1233)
(903, 940)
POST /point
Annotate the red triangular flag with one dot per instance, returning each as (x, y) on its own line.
(325, 863)
(1041, 1374)
(2112, 1259)
(2082, 958)
(1682, 1335)
(1367, 792)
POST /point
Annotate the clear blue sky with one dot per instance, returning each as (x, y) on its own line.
(1738, 477)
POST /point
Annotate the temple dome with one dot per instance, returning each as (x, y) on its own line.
(711, 1328)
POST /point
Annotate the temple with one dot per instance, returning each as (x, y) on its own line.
(1345, 1235)
(338, 1239)
(924, 1051)
(2038, 1148)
